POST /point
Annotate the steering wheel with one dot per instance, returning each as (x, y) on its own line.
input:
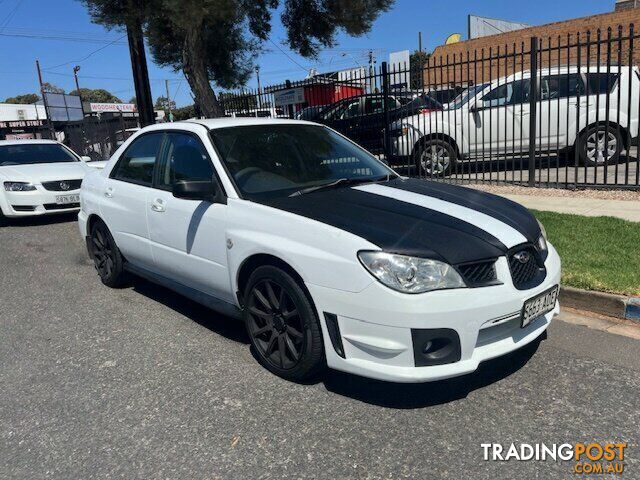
(243, 175)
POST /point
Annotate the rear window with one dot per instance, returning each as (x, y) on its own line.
(34, 153)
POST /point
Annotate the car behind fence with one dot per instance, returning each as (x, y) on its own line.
(554, 112)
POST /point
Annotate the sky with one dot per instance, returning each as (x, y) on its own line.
(60, 35)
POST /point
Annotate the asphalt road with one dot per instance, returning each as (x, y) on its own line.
(141, 383)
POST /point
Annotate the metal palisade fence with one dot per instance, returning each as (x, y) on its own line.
(551, 112)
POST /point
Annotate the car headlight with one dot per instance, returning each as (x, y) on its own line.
(410, 274)
(18, 186)
(542, 241)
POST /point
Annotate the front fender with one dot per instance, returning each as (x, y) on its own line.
(315, 265)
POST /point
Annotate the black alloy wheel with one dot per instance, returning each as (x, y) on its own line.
(282, 325)
(106, 256)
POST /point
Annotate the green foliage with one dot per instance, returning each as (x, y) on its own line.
(163, 104)
(219, 40)
(598, 253)
(98, 95)
(184, 113)
(26, 98)
(417, 63)
(50, 88)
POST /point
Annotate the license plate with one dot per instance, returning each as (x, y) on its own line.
(539, 305)
(64, 199)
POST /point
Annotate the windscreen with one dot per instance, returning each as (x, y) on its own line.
(268, 161)
(26, 154)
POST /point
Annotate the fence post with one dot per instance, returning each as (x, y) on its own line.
(385, 94)
(533, 107)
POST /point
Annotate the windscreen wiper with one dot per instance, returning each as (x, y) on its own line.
(340, 182)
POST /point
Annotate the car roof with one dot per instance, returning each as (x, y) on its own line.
(29, 142)
(214, 123)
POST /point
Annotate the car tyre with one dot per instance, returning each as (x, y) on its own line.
(282, 325)
(106, 256)
(3, 219)
(592, 144)
(434, 158)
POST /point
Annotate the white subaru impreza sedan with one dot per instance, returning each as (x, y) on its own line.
(328, 256)
(39, 177)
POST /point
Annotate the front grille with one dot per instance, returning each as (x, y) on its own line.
(526, 274)
(62, 185)
(64, 206)
(479, 274)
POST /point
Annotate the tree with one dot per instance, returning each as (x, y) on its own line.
(26, 98)
(184, 113)
(218, 40)
(98, 95)
(163, 104)
(50, 88)
(133, 100)
(418, 61)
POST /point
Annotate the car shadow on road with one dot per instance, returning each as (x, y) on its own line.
(375, 392)
(39, 220)
(420, 395)
(220, 324)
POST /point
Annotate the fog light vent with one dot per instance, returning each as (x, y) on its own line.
(435, 346)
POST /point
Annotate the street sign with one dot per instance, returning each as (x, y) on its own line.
(290, 96)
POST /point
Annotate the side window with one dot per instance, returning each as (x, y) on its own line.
(373, 105)
(499, 96)
(560, 86)
(137, 162)
(513, 93)
(183, 158)
(601, 83)
(352, 109)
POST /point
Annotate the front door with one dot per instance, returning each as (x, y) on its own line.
(188, 239)
(124, 207)
(500, 120)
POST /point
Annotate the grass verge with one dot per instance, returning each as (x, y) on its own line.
(598, 253)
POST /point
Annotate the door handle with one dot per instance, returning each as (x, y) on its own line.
(158, 205)
(108, 192)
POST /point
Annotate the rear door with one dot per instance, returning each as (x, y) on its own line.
(125, 198)
(188, 239)
(558, 104)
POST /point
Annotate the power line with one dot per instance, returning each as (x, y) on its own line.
(87, 56)
(306, 70)
(12, 14)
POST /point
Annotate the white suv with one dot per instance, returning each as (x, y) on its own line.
(588, 108)
(328, 256)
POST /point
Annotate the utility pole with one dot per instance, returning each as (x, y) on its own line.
(259, 88)
(52, 131)
(371, 72)
(76, 69)
(140, 72)
(421, 62)
(166, 85)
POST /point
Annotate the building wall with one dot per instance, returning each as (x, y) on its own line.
(494, 56)
(10, 112)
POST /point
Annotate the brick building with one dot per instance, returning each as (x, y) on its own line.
(561, 44)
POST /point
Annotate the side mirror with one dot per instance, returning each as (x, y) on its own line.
(202, 190)
(86, 159)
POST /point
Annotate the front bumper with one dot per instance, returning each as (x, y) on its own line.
(36, 202)
(376, 325)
